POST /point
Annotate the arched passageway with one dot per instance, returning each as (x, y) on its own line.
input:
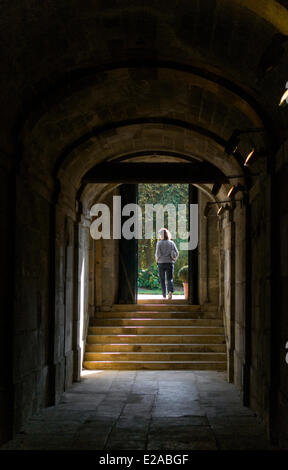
(195, 95)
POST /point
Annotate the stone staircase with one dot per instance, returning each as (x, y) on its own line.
(167, 335)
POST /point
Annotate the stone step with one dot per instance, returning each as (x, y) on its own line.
(170, 348)
(157, 356)
(169, 307)
(155, 330)
(155, 322)
(155, 365)
(165, 335)
(149, 314)
(162, 301)
(155, 339)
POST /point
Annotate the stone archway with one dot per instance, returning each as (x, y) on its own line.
(113, 90)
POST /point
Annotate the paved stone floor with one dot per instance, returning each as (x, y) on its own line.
(139, 410)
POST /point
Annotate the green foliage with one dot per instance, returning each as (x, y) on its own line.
(183, 274)
(162, 194)
(149, 278)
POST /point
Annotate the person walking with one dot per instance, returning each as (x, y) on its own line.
(166, 254)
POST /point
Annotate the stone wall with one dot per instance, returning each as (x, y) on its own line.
(83, 286)
(208, 250)
(31, 348)
(280, 299)
(51, 296)
(7, 214)
(246, 297)
(228, 290)
(260, 326)
(92, 277)
(239, 217)
(64, 301)
(110, 262)
(106, 266)
(246, 301)
(109, 272)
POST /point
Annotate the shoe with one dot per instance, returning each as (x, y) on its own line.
(169, 295)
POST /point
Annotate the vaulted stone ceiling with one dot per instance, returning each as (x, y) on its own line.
(93, 80)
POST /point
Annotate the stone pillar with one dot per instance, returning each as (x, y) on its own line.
(228, 228)
(242, 299)
(83, 283)
(209, 263)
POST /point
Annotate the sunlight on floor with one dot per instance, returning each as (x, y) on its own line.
(158, 296)
(85, 372)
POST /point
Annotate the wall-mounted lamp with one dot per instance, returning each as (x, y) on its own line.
(232, 143)
(250, 155)
(235, 189)
(253, 155)
(222, 209)
(231, 191)
(284, 97)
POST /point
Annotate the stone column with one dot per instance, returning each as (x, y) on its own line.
(229, 289)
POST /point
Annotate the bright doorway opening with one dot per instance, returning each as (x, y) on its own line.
(176, 195)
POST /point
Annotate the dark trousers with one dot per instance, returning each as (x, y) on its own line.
(166, 270)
